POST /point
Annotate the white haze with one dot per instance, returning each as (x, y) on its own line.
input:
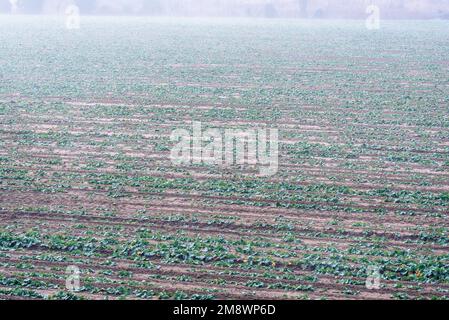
(314, 9)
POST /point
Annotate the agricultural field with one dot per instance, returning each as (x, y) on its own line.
(86, 179)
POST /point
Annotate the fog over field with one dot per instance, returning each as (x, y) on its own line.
(119, 178)
(390, 9)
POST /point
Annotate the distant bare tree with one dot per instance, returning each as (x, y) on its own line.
(152, 7)
(86, 6)
(303, 4)
(270, 11)
(31, 6)
(5, 6)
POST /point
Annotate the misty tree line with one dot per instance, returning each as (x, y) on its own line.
(86, 6)
(267, 8)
